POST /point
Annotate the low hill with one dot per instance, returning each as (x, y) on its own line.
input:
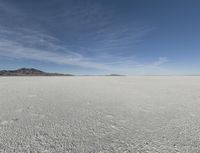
(115, 75)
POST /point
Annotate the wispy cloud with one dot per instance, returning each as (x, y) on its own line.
(159, 62)
(25, 44)
(87, 38)
(41, 47)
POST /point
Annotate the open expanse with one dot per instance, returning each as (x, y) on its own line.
(100, 114)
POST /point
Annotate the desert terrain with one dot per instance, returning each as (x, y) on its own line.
(149, 114)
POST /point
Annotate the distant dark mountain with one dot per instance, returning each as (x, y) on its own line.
(115, 75)
(29, 72)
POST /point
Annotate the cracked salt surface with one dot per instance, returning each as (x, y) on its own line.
(100, 114)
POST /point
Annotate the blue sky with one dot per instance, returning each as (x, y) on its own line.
(133, 37)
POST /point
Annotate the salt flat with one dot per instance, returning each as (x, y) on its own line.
(100, 114)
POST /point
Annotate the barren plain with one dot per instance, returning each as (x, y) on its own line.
(150, 114)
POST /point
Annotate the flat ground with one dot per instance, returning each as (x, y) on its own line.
(100, 114)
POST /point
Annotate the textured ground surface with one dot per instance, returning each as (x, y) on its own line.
(100, 114)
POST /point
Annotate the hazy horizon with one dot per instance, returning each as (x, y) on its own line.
(93, 37)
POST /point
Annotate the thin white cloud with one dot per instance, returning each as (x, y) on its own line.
(84, 26)
(45, 51)
(159, 62)
(41, 47)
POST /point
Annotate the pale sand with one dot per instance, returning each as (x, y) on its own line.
(100, 114)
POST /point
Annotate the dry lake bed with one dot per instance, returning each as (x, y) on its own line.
(157, 114)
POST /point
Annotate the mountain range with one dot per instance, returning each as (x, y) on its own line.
(29, 72)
